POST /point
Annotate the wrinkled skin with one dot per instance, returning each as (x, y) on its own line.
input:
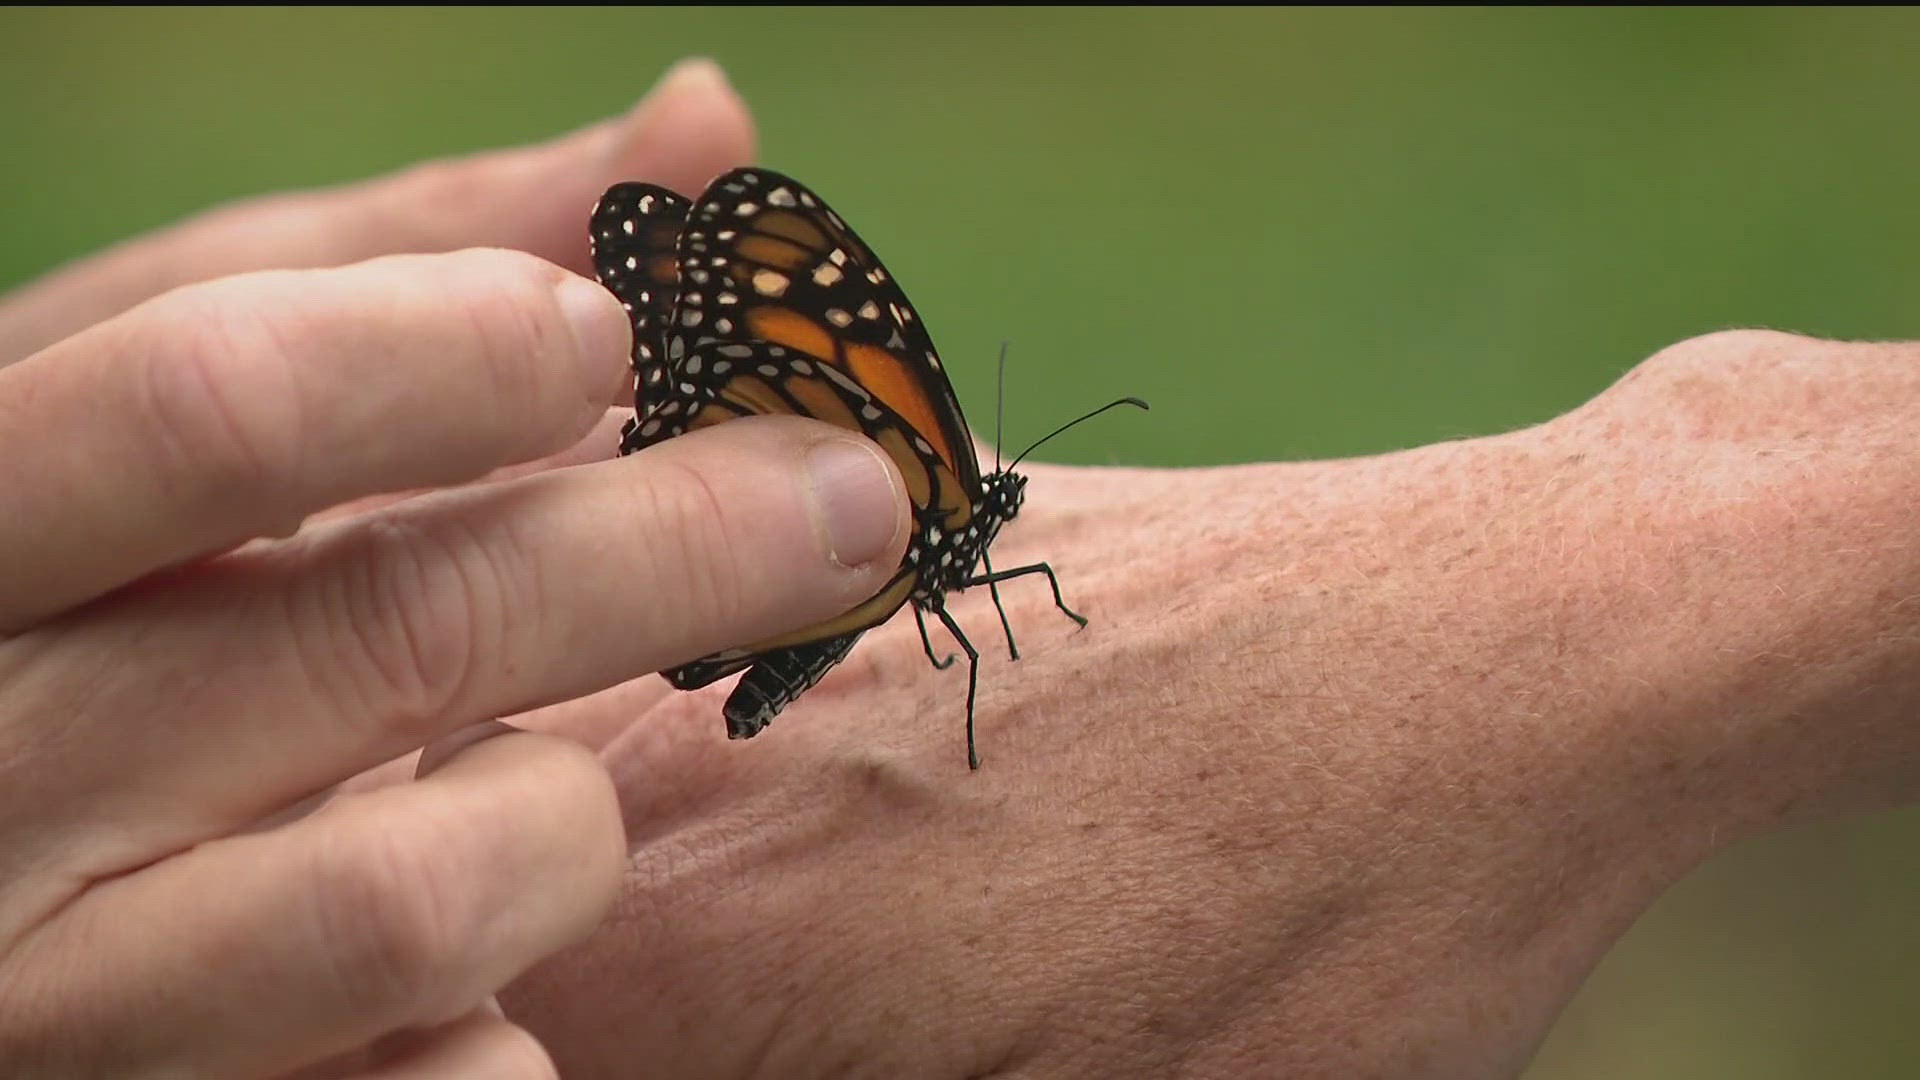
(1359, 768)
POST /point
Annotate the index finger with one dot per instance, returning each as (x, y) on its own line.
(689, 127)
(231, 410)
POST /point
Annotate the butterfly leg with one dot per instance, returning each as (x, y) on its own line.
(993, 589)
(973, 677)
(920, 620)
(1021, 571)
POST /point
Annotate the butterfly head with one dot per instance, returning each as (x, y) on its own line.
(1000, 498)
(1001, 494)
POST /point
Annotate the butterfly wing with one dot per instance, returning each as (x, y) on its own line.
(635, 230)
(762, 258)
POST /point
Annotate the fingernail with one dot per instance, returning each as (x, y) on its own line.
(602, 336)
(693, 71)
(441, 751)
(854, 499)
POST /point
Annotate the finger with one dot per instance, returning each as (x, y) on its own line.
(592, 721)
(478, 1047)
(233, 409)
(397, 908)
(690, 127)
(598, 719)
(600, 443)
(279, 669)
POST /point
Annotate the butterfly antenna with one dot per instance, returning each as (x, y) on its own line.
(1134, 401)
(999, 405)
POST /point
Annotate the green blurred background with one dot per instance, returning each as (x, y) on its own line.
(1298, 233)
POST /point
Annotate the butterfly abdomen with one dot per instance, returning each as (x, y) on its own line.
(777, 679)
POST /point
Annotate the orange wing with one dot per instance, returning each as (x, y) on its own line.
(763, 259)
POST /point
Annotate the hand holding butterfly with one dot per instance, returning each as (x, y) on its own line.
(265, 530)
(1358, 768)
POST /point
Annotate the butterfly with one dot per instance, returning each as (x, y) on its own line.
(756, 298)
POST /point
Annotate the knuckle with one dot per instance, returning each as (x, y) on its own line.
(405, 620)
(390, 912)
(693, 546)
(1708, 382)
(1722, 351)
(512, 326)
(220, 389)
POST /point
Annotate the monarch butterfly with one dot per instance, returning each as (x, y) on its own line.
(757, 298)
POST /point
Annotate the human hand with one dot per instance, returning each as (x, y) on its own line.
(1357, 770)
(266, 530)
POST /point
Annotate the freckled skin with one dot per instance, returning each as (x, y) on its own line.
(1361, 767)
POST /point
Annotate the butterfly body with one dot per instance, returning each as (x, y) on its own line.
(756, 299)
